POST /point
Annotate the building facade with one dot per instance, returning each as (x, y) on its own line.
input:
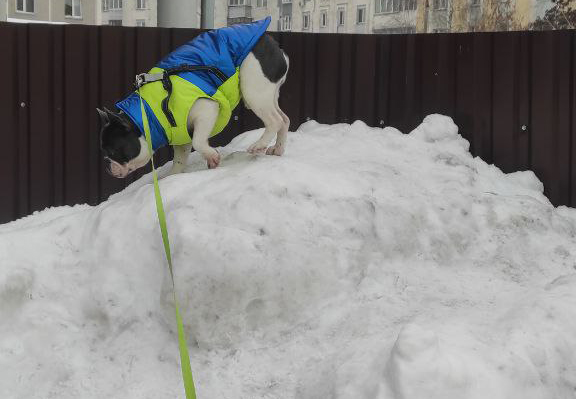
(89, 12)
(128, 12)
(179, 13)
(382, 16)
(55, 11)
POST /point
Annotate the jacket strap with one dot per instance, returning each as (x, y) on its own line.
(144, 78)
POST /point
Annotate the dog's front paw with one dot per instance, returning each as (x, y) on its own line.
(212, 158)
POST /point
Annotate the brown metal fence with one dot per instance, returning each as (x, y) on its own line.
(511, 94)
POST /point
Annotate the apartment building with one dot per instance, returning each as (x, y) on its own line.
(330, 16)
(89, 12)
(382, 16)
(129, 12)
(3, 15)
(55, 11)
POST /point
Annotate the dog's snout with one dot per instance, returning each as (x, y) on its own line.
(115, 169)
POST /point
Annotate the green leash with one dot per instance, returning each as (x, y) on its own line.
(184, 357)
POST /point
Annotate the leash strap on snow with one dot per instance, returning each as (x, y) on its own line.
(184, 357)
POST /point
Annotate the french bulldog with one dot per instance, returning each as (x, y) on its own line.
(261, 74)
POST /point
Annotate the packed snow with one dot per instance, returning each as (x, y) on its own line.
(363, 264)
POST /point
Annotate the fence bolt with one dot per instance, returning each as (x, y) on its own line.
(381, 122)
(22, 104)
(307, 118)
(524, 128)
(235, 117)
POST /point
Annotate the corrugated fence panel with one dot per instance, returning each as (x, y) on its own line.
(382, 82)
(345, 84)
(397, 92)
(76, 120)
(23, 132)
(506, 82)
(41, 111)
(464, 114)
(57, 108)
(550, 132)
(511, 94)
(9, 199)
(572, 85)
(93, 157)
(327, 83)
(364, 89)
(482, 94)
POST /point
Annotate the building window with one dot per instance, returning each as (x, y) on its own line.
(341, 16)
(306, 20)
(261, 3)
(361, 15)
(323, 18)
(237, 2)
(475, 3)
(286, 23)
(73, 8)
(286, 1)
(440, 4)
(115, 22)
(141, 4)
(140, 22)
(111, 5)
(387, 6)
(25, 6)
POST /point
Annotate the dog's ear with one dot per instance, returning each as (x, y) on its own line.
(104, 119)
(114, 117)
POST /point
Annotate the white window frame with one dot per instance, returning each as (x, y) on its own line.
(25, 7)
(141, 4)
(261, 3)
(237, 2)
(286, 23)
(324, 18)
(112, 5)
(141, 23)
(392, 6)
(363, 9)
(110, 20)
(79, 3)
(306, 18)
(341, 15)
(286, 1)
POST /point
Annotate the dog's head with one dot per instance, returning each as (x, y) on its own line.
(122, 145)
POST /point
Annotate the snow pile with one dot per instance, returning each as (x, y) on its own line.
(363, 264)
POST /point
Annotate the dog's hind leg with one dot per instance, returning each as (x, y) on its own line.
(261, 75)
(278, 148)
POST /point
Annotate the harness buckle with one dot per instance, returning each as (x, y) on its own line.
(140, 80)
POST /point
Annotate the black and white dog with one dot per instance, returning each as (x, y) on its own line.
(261, 75)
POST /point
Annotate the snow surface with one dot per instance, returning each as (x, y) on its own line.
(363, 264)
